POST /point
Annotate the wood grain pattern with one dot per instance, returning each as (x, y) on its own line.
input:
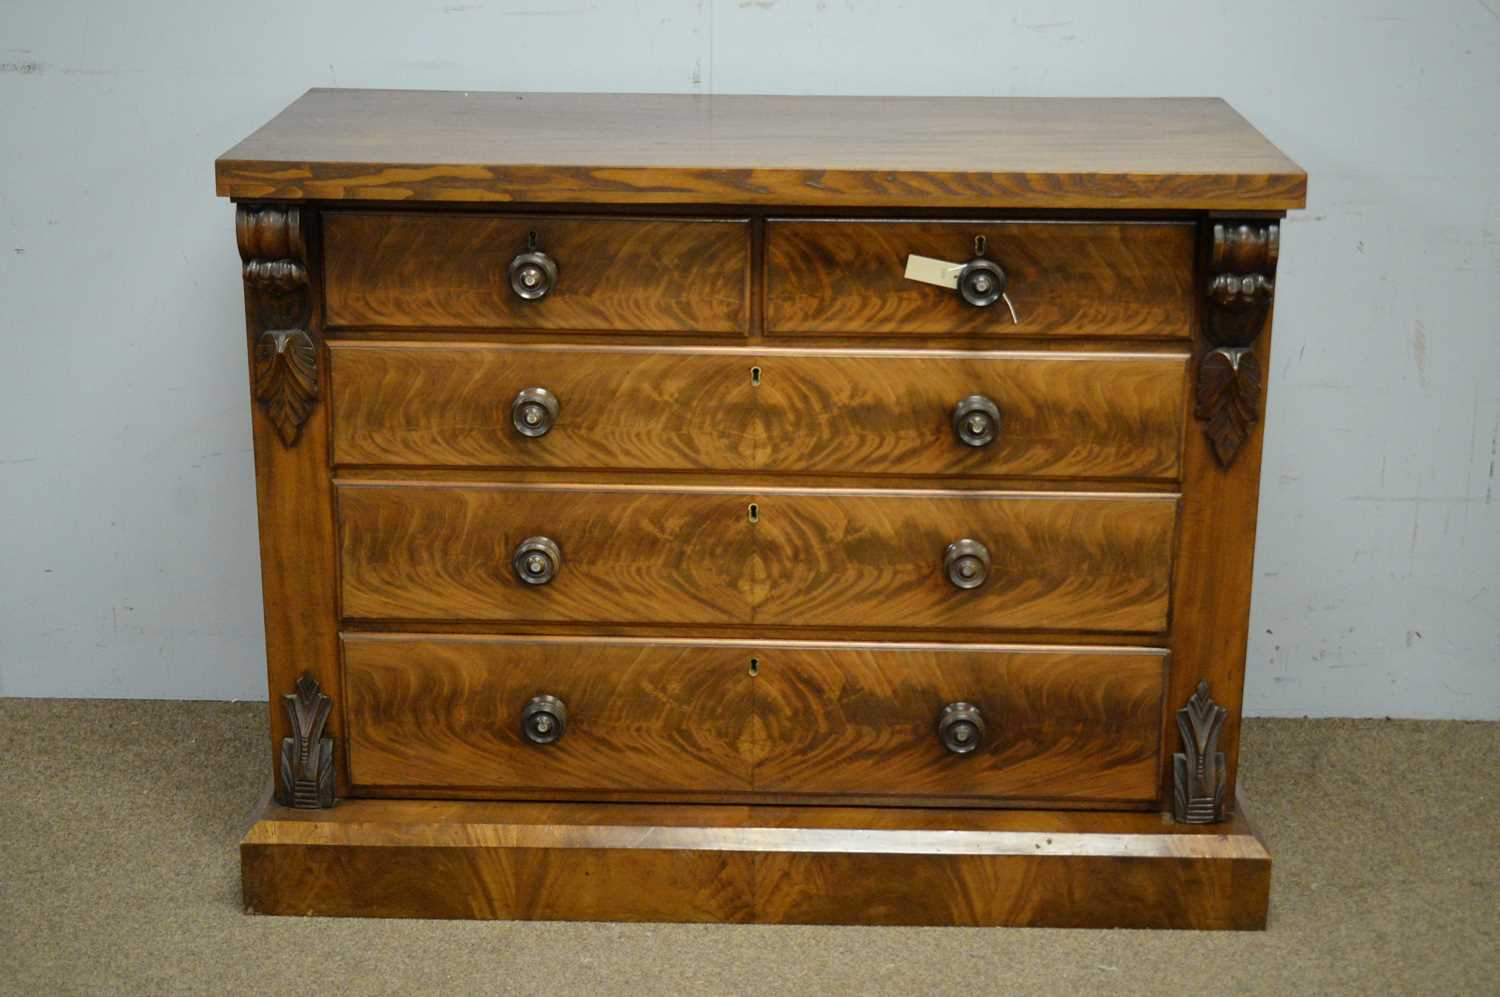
(444, 552)
(1062, 725)
(667, 719)
(1215, 566)
(799, 865)
(1083, 561)
(852, 412)
(630, 409)
(445, 712)
(410, 270)
(1190, 154)
(294, 493)
(1065, 278)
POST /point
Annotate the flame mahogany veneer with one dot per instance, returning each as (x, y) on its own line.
(641, 539)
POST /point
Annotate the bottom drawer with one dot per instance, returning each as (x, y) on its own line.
(670, 719)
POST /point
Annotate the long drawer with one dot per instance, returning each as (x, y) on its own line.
(846, 412)
(456, 715)
(849, 558)
(1131, 279)
(389, 269)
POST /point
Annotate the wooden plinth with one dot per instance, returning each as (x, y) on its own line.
(740, 864)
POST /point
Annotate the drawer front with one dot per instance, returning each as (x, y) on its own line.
(650, 718)
(1076, 561)
(1130, 279)
(1058, 724)
(447, 713)
(415, 270)
(1060, 415)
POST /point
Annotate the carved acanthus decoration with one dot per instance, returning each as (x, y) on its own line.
(286, 379)
(307, 756)
(285, 375)
(1198, 771)
(1243, 283)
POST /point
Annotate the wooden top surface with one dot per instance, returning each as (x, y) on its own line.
(975, 152)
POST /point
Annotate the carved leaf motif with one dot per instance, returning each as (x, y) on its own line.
(307, 756)
(1199, 771)
(308, 710)
(1228, 399)
(286, 379)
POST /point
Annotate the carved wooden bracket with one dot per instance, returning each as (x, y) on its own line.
(1243, 264)
(285, 374)
(1198, 771)
(307, 756)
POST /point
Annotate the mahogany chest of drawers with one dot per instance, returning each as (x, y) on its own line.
(757, 509)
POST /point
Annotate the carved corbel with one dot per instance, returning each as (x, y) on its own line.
(1198, 770)
(307, 756)
(284, 377)
(1243, 282)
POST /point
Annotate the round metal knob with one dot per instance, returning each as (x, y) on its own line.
(967, 563)
(537, 560)
(532, 274)
(976, 421)
(960, 727)
(534, 411)
(544, 719)
(981, 282)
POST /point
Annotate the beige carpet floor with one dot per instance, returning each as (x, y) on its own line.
(119, 874)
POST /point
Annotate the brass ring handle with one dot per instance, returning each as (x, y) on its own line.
(976, 421)
(981, 282)
(960, 728)
(533, 274)
(534, 411)
(967, 563)
(537, 560)
(544, 719)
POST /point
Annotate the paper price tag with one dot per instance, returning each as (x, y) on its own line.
(929, 271)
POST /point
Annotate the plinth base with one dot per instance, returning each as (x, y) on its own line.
(744, 864)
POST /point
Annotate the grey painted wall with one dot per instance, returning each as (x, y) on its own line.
(128, 547)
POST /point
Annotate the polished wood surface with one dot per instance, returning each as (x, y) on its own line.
(753, 481)
(1156, 154)
(413, 270)
(1059, 725)
(780, 865)
(665, 719)
(641, 716)
(294, 495)
(851, 412)
(1215, 574)
(1082, 561)
(1074, 279)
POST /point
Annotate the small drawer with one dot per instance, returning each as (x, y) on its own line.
(525, 716)
(957, 723)
(834, 558)
(405, 270)
(1127, 279)
(953, 414)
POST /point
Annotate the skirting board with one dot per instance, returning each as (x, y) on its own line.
(754, 864)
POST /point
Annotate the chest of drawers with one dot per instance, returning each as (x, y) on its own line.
(757, 509)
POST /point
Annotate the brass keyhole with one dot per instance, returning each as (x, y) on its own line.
(754, 513)
(754, 667)
(755, 376)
